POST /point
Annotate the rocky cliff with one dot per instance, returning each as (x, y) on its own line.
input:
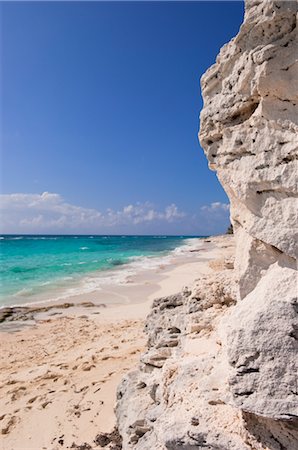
(249, 133)
(221, 367)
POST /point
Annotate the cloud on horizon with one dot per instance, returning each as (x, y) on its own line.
(49, 213)
(216, 207)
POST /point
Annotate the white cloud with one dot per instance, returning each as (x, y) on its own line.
(145, 212)
(214, 217)
(216, 207)
(50, 213)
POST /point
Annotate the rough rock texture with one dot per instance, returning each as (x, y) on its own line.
(249, 131)
(249, 123)
(177, 397)
(222, 361)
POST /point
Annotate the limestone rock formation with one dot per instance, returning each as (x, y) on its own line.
(249, 131)
(222, 362)
(177, 397)
(249, 123)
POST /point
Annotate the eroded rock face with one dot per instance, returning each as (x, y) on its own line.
(222, 362)
(262, 347)
(177, 397)
(249, 131)
(249, 123)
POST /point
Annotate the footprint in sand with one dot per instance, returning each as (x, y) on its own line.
(44, 404)
(63, 366)
(17, 393)
(75, 410)
(97, 390)
(86, 366)
(32, 400)
(51, 376)
(17, 390)
(7, 428)
(79, 390)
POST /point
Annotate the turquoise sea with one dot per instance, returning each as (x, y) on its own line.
(33, 265)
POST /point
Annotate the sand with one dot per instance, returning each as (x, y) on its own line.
(60, 370)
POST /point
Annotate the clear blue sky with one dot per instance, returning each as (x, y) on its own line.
(101, 103)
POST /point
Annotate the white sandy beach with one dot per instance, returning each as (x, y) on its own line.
(59, 373)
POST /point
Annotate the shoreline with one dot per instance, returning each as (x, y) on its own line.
(59, 372)
(102, 279)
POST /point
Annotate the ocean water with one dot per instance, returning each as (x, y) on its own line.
(33, 266)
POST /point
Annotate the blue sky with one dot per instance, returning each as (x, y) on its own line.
(100, 107)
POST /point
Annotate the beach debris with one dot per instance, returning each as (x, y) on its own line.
(25, 313)
(84, 446)
(113, 439)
